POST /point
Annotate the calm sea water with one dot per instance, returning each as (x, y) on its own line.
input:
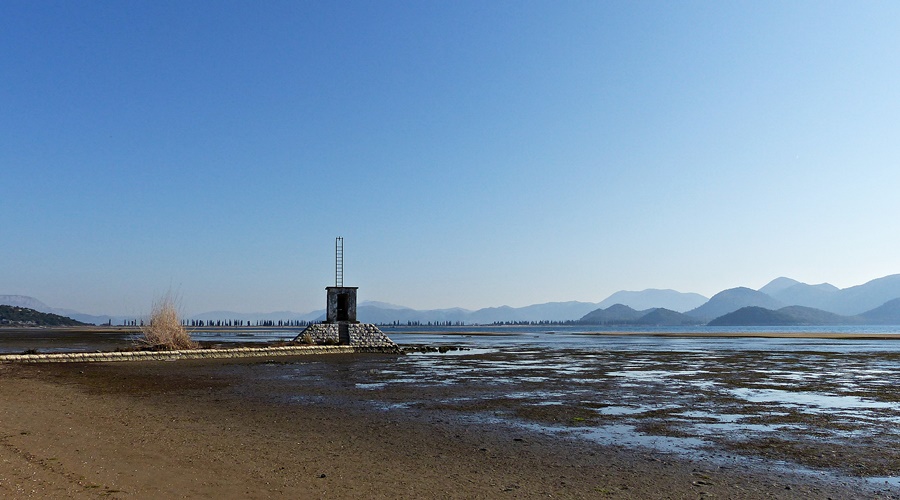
(569, 337)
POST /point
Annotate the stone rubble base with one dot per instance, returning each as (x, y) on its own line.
(354, 334)
(235, 352)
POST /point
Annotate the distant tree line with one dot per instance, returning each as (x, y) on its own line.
(536, 323)
(200, 323)
(239, 322)
(495, 323)
(420, 323)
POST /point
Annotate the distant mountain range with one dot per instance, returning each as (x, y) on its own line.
(886, 314)
(620, 314)
(731, 300)
(653, 298)
(793, 300)
(848, 301)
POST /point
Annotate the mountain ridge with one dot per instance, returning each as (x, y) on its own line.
(732, 299)
(655, 297)
(778, 293)
(886, 314)
(622, 315)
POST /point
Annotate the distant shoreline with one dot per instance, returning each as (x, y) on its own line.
(768, 335)
(774, 335)
(124, 330)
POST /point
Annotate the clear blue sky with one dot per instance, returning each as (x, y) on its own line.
(471, 153)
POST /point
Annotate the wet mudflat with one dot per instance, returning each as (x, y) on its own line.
(828, 408)
(826, 411)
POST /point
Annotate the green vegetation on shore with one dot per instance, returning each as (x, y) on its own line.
(22, 316)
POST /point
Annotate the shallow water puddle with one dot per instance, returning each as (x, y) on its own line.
(823, 402)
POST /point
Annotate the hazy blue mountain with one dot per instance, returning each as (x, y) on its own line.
(666, 317)
(754, 316)
(35, 304)
(380, 312)
(555, 311)
(615, 314)
(776, 294)
(370, 313)
(24, 301)
(381, 305)
(803, 315)
(885, 314)
(259, 316)
(865, 297)
(653, 297)
(793, 292)
(848, 302)
(551, 311)
(731, 300)
(620, 314)
(816, 296)
(786, 316)
(90, 319)
(777, 285)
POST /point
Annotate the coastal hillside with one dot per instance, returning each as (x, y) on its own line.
(753, 316)
(666, 317)
(786, 316)
(865, 297)
(885, 314)
(847, 302)
(801, 294)
(35, 304)
(812, 316)
(619, 314)
(551, 311)
(23, 316)
(615, 314)
(777, 285)
(652, 298)
(731, 300)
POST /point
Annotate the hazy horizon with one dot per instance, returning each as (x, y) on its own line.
(472, 154)
(380, 303)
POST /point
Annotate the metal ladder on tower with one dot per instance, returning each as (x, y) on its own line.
(339, 261)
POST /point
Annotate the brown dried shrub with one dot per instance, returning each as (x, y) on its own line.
(165, 331)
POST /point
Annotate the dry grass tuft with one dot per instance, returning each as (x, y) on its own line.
(165, 331)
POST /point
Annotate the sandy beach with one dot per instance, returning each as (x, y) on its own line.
(198, 429)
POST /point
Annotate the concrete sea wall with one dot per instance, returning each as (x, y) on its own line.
(236, 352)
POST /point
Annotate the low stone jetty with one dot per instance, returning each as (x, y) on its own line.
(233, 352)
(353, 334)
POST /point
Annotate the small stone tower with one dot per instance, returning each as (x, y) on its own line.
(341, 326)
(341, 300)
(341, 305)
